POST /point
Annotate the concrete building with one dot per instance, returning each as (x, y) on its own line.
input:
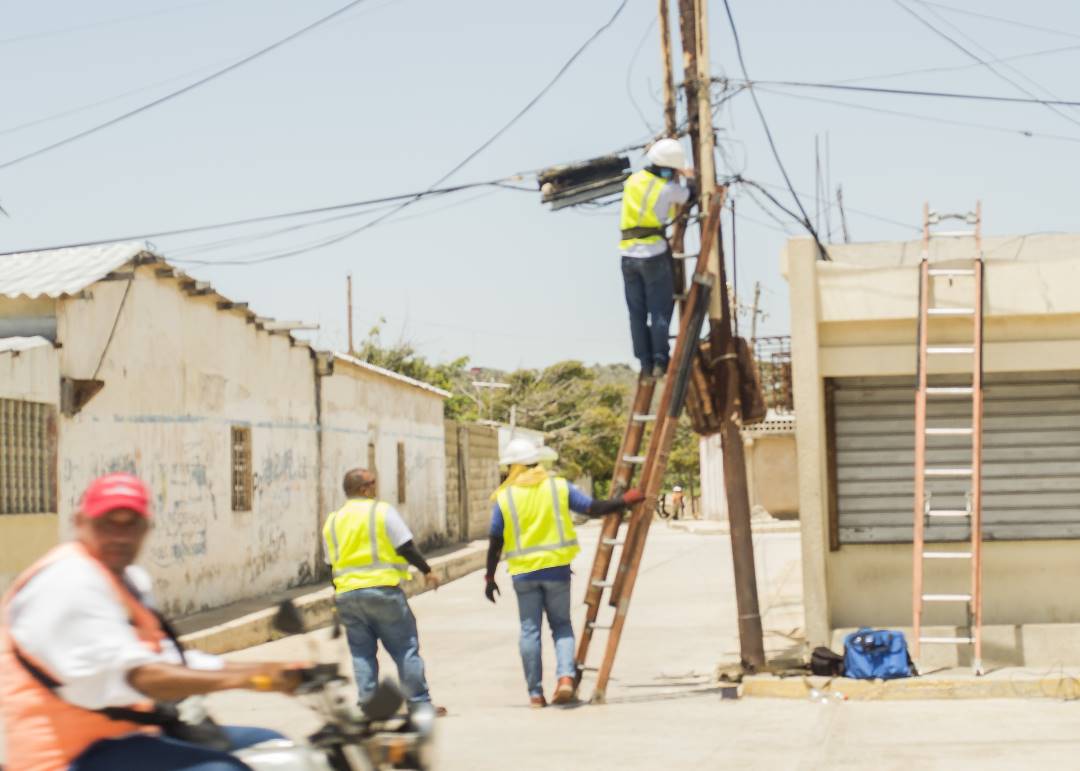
(854, 354)
(111, 359)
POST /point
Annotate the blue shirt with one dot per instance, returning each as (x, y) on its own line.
(579, 502)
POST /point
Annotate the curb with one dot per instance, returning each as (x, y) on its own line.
(716, 527)
(317, 607)
(916, 688)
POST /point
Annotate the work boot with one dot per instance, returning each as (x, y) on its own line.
(564, 691)
(659, 370)
(537, 702)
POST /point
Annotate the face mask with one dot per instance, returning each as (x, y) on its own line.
(667, 173)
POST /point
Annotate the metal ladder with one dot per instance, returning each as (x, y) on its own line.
(924, 511)
(653, 464)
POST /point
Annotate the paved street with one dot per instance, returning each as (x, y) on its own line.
(663, 711)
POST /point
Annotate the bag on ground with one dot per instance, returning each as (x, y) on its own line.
(826, 662)
(871, 654)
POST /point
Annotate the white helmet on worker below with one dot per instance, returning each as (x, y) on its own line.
(668, 153)
(676, 489)
(523, 451)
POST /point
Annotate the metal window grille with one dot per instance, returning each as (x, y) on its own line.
(773, 355)
(27, 457)
(401, 472)
(241, 468)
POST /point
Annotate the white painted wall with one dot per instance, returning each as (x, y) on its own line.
(32, 375)
(359, 406)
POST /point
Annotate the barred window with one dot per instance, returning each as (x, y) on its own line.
(241, 468)
(27, 457)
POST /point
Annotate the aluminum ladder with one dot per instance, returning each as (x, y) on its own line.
(653, 464)
(925, 512)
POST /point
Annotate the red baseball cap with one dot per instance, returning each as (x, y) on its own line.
(115, 491)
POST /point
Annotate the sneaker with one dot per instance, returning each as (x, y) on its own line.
(564, 691)
(659, 370)
(537, 702)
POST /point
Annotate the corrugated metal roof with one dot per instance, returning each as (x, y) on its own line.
(62, 271)
(391, 374)
(17, 344)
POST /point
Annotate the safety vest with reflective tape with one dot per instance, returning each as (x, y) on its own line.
(641, 191)
(538, 531)
(361, 554)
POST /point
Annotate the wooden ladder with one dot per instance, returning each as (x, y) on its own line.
(925, 512)
(653, 464)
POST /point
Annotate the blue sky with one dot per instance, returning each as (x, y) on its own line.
(389, 97)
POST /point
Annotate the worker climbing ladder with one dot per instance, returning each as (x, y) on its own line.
(653, 464)
(925, 512)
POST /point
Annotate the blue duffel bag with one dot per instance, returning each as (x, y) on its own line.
(872, 654)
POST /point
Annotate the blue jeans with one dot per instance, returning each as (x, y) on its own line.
(165, 754)
(382, 614)
(650, 299)
(535, 598)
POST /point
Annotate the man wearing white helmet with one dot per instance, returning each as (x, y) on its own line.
(531, 519)
(650, 201)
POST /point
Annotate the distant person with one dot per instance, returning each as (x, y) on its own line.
(651, 198)
(531, 520)
(370, 548)
(88, 666)
(677, 505)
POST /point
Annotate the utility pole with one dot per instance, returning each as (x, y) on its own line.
(754, 315)
(751, 644)
(348, 309)
(843, 217)
(670, 123)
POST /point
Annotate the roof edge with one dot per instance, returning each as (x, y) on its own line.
(390, 374)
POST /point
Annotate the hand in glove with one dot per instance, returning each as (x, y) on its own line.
(633, 496)
(491, 588)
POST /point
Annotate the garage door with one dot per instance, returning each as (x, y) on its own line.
(1031, 457)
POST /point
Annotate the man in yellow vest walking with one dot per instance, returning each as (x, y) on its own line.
(650, 201)
(369, 547)
(531, 520)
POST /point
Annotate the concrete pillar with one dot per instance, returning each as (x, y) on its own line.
(713, 495)
(800, 266)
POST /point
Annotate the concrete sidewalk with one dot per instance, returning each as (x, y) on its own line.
(244, 625)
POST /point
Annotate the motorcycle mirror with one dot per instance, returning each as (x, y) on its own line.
(385, 702)
(288, 619)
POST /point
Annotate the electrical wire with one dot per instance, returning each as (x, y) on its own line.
(928, 118)
(629, 75)
(768, 133)
(906, 92)
(1014, 22)
(975, 57)
(959, 67)
(190, 87)
(338, 238)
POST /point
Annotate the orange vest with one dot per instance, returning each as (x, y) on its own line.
(44, 732)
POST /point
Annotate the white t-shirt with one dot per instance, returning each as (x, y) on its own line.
(396, 529)
(68, 618)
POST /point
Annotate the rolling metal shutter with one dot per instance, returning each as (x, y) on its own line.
(1031, 457)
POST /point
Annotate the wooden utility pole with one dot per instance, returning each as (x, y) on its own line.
(348, 308)
(706, 169)
(754, 314)
(670, 124)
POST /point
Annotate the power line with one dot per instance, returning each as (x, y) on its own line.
(1013, 22)
(928, 118)
(338, 238)
(862, 212)
(959, 67)
(974, 56)
(768, 133)
(630, 72)
(903, 91)
(190, 87)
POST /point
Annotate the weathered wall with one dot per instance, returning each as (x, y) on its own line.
(360, 407)
(30, 375)
(179, 373)
(771, 473)
(856, 317)
(474, 467)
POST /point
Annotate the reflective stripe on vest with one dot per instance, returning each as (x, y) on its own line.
(641, 191)
(373, 564)
(552, 546)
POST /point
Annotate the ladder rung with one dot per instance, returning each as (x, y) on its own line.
(952, 271)
(948, 472)
(612, 541)
(681, 297)
(587, 668)
(683, 256)
(641, 418)
(598, 625)
(948, 513)
(954, 431)
(946, 598)
(950, 311)
(603, 584)
(949, 390)
(951, 233)
(950, 349)
(946, 555)
(633, 458)
(946, 640)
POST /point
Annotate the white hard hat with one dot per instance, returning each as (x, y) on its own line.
(676, 489)
(523, 451)
(667, 152)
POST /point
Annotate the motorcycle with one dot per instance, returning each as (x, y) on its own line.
(374, 737)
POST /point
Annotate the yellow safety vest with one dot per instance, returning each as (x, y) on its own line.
(361, 554)
(640, 194)
(538, 531)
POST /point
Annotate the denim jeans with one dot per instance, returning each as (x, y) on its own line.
(650, 299)
(535, 598)
(382, 614)
(164, 754)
